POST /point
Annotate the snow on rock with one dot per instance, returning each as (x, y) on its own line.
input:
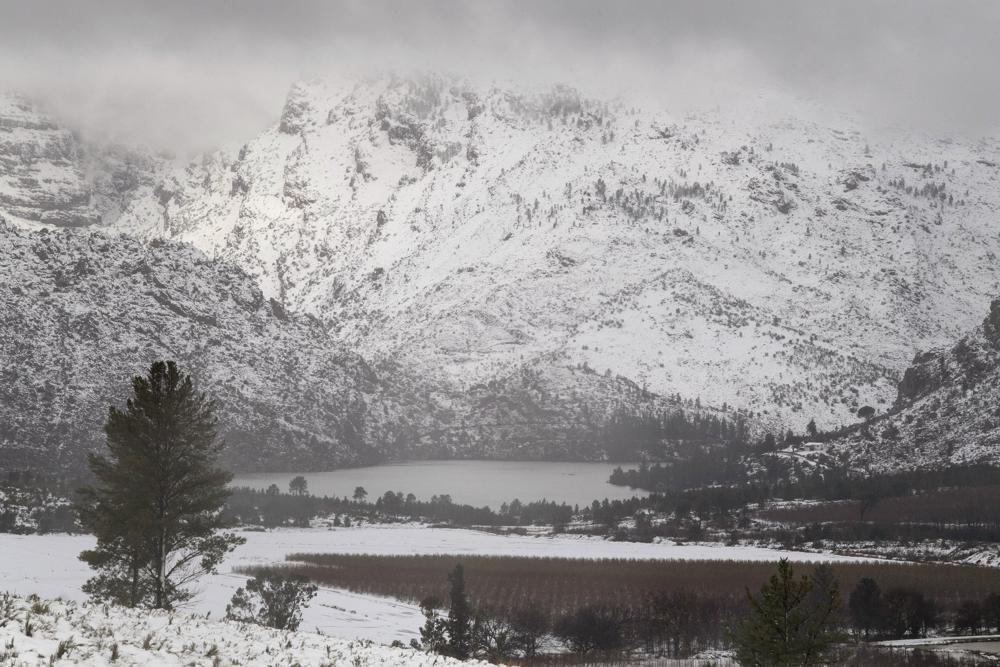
(532, 256)
(945, 412)
(68, 633)
(50, 176)
(772, 255)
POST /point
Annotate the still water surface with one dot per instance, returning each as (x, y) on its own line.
(467, 482)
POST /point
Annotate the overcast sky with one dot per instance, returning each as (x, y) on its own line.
(187, 75)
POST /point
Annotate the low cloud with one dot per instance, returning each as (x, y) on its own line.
(186, 76)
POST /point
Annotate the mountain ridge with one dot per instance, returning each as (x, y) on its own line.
(468, 229)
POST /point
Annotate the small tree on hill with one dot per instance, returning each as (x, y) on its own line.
(273, 600)
(434, 632)
(156, 506)
(360, 494)
(493, 638)
(452, 636)
(789, 623)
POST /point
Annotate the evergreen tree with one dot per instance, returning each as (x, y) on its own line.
(811, 428)
(459, 617)
(434, 632)
(789, 623)
(155, 507)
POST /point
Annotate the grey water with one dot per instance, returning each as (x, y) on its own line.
(475, 483)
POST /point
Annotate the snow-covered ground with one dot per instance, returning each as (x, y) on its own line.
(97, 635)
(983, 645)
(48, 566)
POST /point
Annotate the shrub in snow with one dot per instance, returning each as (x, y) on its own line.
(273, 600)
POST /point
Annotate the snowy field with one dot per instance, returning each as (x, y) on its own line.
(48, 565)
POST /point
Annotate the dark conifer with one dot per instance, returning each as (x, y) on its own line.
(459, 616)
(155, 508)
(789, 623)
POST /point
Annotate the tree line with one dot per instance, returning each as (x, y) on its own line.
(272, 507)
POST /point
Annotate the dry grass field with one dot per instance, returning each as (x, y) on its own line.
(501, 584)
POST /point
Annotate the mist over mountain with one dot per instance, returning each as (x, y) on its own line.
(186, 76)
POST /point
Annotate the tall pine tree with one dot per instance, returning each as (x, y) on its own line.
(791, 622)
(155, 507)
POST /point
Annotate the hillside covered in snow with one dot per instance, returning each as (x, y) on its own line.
(85, 311)
(947, 409)
(40, 632)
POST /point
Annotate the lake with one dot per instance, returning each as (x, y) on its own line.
(475, 483)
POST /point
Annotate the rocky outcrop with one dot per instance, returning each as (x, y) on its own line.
(947, 410)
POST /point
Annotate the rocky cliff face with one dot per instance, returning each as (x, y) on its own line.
(50, 176)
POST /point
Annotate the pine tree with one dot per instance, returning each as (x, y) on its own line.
(434, 632)
(459, 617)
(155, 507)
(790, 622)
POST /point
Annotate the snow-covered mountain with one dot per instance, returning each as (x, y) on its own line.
(514, 265)
(85, 310)
(771, 256)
